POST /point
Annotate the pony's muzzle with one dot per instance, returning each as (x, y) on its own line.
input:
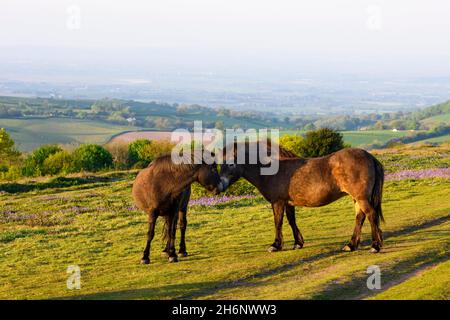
(223, 185)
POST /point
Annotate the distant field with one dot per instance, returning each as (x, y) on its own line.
(31, 133)
(357, 138)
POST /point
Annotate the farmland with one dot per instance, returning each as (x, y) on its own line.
(48, 224)
(32, 133)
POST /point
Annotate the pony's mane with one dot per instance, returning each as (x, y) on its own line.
(282, 152)
(164, 163)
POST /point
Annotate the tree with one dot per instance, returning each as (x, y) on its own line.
(91, 157)
(8, 152)
(321, 142)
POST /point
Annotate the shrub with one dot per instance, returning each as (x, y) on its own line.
(316, 143)
(142, 152)
(120, 155)
(91, 157)
(321, 142)
(135, 150)
(10, 173)
(59, 162)
(155, 149)
(34, 163)
(292, 143)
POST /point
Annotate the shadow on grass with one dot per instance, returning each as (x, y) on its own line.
(174, 291)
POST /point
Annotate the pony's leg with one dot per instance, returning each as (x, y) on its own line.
(153, 215)
(183, 225)
(165, 252)
(298, 238)
(278, 213)
(377, 239)
(356, 237)
(172, 225)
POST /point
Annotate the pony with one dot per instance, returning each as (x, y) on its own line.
(312, 182)
(161, 190)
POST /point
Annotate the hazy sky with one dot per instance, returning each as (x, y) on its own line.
(369, 35)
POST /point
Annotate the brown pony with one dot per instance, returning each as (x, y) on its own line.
(161, 189)
(314, 182)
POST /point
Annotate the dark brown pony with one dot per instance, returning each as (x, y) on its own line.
(161, 190)
(315, 182)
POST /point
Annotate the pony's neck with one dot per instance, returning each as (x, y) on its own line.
(186, 178)
(252, 173)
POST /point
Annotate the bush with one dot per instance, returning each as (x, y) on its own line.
(91, 157)
(10, 173)
(142, 152)
(120, 155)
(135, 150)
(156, 149)
(316, 143)
(60, 162)
(292, 143)
(35, 162)
(321, 142)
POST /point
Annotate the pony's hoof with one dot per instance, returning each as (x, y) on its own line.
(297, 246)
(164, 254)
(145, 261)
(183, 254)
(173, 259)
(347, 248)
(374, 250)
(273, 249)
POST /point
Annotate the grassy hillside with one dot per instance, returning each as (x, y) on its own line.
(436, 120)
(47, 226)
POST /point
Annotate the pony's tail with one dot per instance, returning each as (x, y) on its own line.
(377, 192)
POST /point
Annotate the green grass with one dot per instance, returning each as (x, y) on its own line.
(31, 133)
(431, 283)
(90, 224)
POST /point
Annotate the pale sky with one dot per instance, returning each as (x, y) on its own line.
(395, 30)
